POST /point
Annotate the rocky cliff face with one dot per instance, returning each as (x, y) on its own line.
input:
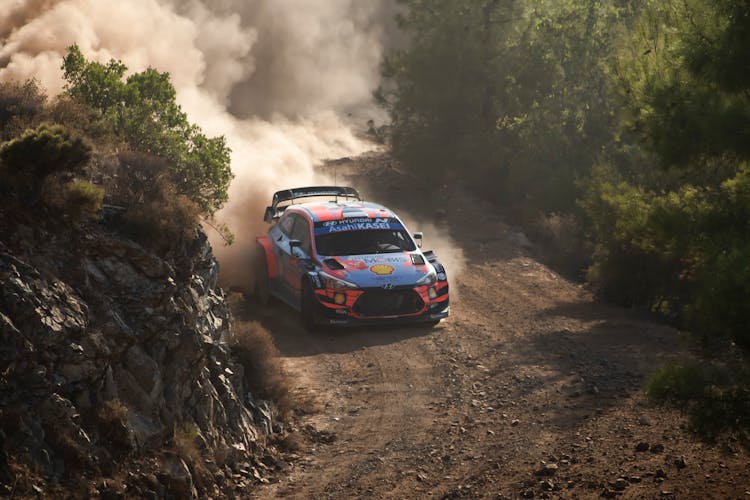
(114, 378)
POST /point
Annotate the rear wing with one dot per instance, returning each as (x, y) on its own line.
(274, 211)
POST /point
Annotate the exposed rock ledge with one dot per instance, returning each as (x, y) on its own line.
(111, 355)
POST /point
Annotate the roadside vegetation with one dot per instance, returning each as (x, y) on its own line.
(117, 149)
(114, 139)
(614, 130)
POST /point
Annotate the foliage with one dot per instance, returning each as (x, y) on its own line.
(676, 239)
(684, 78)
(512, 96)
(82, 198)
(75, 199)
(144, 111)
(20, 105)
(47, 149)
(715, 396)
(634, 116)
(253, 347)
(684, 252)
(157, 214)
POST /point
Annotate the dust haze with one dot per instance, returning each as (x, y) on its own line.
(288, 82)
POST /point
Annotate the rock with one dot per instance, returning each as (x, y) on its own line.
(620, 484)
(177, 478)
(657, 448)
(94, 324)
(546, 470)
(644, 421)
(642, 446)
(680, 463)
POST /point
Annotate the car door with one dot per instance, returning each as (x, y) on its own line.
(282, 234)
(298, 256)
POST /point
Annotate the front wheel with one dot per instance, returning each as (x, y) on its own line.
(308, 307)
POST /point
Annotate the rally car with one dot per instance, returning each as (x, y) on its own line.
(342, 261)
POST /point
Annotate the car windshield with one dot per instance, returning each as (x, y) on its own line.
(364, 242)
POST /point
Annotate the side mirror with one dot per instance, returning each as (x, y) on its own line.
(268, 215)
(418, 236)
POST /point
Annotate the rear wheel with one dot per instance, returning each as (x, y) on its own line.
(261, 289)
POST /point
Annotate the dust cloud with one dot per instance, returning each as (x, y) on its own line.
(287, 82)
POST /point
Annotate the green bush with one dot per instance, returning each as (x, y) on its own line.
(83, 199)
(684, 252)
(47, 149)
(143, 111)
(716, 397)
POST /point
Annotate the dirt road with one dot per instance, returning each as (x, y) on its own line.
(530, 389)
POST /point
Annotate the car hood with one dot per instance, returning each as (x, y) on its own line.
(396, 269)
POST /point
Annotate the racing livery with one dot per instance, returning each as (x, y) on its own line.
(344, 261)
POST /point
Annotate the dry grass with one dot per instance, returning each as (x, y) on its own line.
(185, 445)
(112, 421)
(265, 376)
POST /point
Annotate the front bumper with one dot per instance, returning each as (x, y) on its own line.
(426, 304)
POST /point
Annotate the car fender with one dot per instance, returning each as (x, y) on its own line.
(266, 246)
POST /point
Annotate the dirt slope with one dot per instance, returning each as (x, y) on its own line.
(531, 389)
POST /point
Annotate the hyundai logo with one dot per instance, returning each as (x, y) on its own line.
(387, 286)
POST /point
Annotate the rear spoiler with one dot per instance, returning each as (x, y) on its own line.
(274, 211)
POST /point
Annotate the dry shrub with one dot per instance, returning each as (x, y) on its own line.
(265, 376)
(81, 118)
(163, 223)
(77, 200)
(157, 215)
(562, 242)
(22, 479)
(112, 417)
(21, 106)
(140, 177)
(185, 443)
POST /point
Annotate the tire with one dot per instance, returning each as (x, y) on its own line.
(307, 308)
(262, 290)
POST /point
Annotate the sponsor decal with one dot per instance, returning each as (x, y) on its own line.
(354, 265)
(356, 224)
(382, 259)
(382, 269)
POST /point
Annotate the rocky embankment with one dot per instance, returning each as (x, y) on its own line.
(114, 376)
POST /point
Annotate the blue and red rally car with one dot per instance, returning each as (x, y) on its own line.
(344, 261)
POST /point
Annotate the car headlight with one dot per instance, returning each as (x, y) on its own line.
(428, 279)
(332, 283)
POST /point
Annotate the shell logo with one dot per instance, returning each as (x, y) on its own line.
(382, 269)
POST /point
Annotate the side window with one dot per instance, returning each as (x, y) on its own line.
(301, 231)
(286, 223)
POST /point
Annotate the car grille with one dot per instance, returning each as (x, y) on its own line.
(388, 303)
